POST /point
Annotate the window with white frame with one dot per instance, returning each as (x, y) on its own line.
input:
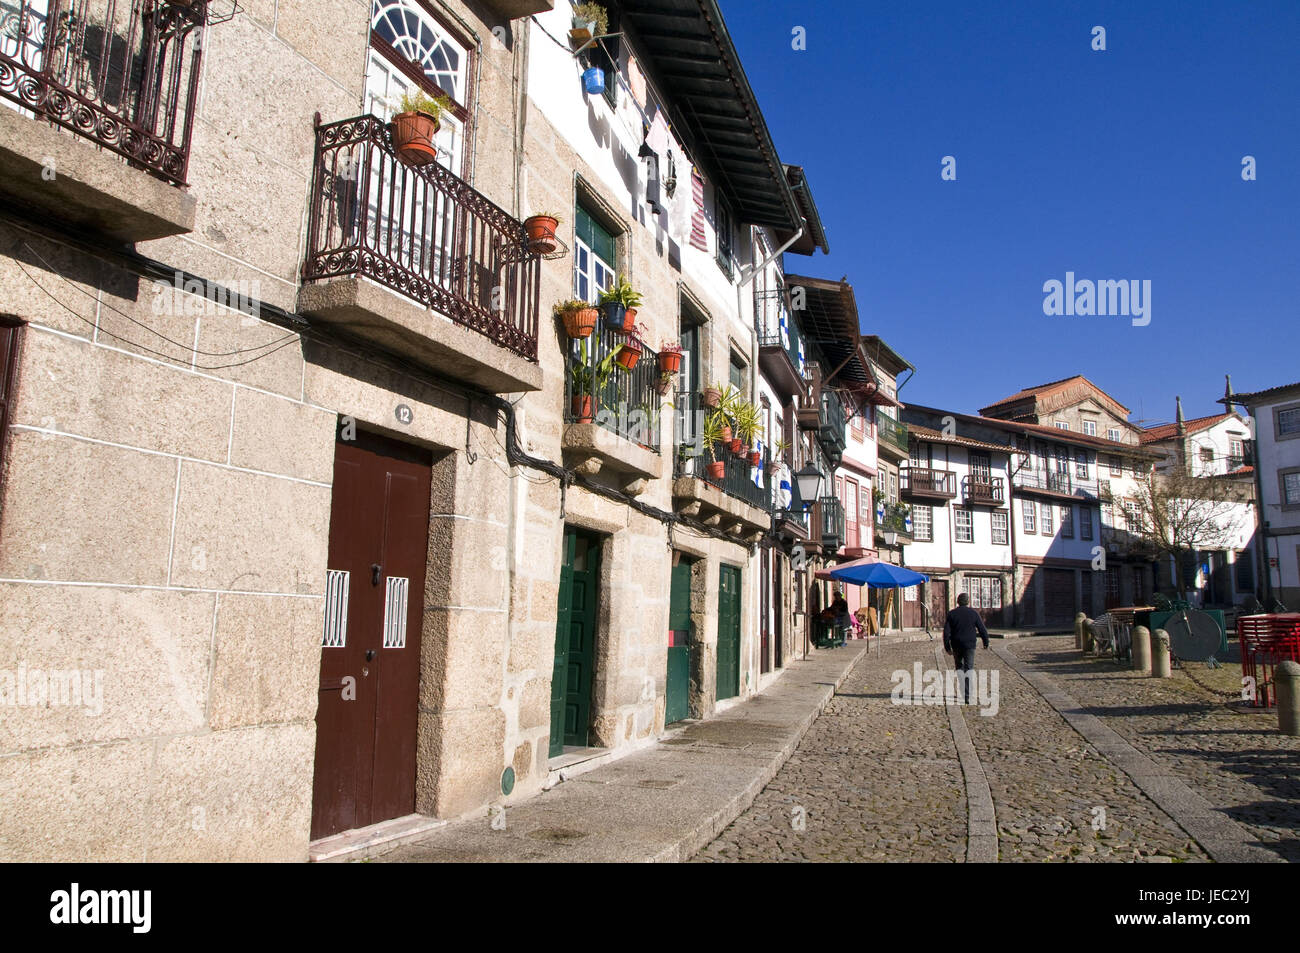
(1027, 510)
(1113, 434)
(984, 592)
(594, 254)
(922, 523)
(1287, 421)
(1291, 488)
(1067, 522)
(1107, 515)
(1090, 428)
(1001, 526)
(1081, 464)
(1116, 465)
(1062, 425)
(1045, 524)
(963, 526)
(1085, 522)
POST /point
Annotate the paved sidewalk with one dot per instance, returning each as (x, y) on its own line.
(660, 804)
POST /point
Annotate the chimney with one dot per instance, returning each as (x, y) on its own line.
(1227, 393)
(1182, 428)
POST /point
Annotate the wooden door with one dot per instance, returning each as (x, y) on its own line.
(912, 608)
(1058, 595)
(575, 642)
(937, 594)
(765, 611)
(678, 687)
(728, 633)
(370, 654)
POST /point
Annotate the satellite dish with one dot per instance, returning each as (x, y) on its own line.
(1194, 636)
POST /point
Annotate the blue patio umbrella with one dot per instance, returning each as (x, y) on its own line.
(877, 575)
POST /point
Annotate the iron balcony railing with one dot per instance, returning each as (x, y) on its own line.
(620, 400)
(833, 428)
(740, 478)
(421, 231)
(830, 520)
(892, 432)
(1055, 481)
(122, 73)
(894, 518)
(775, 327)
(923, 481)
(988, 490)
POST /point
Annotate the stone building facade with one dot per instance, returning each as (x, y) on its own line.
(291, 476)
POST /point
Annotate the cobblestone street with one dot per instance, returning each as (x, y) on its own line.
(875, 780)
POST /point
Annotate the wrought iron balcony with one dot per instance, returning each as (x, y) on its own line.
(622, 401)
(990, 491)
(780, 347)
(1056, 482)
(896, 519)
(124, 75)
(424, 233)
(892, 434)
(926, 484)
(829, 517)
(740, 478)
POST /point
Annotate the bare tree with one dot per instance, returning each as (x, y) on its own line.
(1176, 515)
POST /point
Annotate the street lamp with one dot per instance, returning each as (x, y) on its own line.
(809, 480)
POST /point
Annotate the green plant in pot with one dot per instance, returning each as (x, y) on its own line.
(578, 316)
(748, 422)
(415, 124)
(619, 303)
(588, 382)
(712, 433)
(589, 19)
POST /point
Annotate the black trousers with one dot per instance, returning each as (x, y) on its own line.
(963, 659)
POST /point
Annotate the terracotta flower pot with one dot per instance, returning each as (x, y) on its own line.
(631, 318)
(712, 397)
(581, 31)
(584, 408)
(726, 433)
(662, 386)
(413, 135)
(580, 323)
(670, 362)
(755, 458)
(737, 446)
(541, 234)
(717, 469)
(628, 356)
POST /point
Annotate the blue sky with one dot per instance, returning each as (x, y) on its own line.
(1122, 164)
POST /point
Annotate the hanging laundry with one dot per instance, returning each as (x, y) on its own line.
(636, 81)
(699, 233)
(659, 138)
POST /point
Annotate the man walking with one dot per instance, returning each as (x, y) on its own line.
(960, 630)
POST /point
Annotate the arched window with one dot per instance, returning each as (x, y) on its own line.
(416, 36)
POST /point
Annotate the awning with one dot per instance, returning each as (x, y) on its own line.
(877, 575)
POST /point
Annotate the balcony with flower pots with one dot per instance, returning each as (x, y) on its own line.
(403, 253)
(716, 478)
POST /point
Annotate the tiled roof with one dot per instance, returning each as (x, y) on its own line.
(1050, 387)
(936, 436)
(1255, 398)
(1195, 425)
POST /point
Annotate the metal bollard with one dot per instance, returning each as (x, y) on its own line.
(1079, 621)
(1286, 685)
(1142, 649)
(1161, 663)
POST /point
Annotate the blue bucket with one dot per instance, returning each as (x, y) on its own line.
(594, 80)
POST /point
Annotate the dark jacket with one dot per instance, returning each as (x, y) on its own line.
(964, 625)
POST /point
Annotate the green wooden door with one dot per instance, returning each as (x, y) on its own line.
(728, 633)
(677, 692)
(575, 633)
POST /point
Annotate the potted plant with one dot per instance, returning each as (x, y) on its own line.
(578, 316)
(587, 383)
(630, 352)
(748, 421)
(589, 19)
(541, 233)
(781, 447)
(619, 303)
(670, 357)
(415, 125)
(712, 396)
(723, 425)
(712, 435)
(663, 383)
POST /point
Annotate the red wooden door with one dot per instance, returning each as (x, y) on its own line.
(370, 653)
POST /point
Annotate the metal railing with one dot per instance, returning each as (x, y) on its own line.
(740, 478)
(897, 518)
(775, 327)
(991, 490)
(892, 432)
(923, 480)
(833, 429)
(624, 402)
(124, 75)
(829, 518)
(421, 231)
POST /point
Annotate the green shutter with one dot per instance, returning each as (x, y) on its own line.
(596, 237)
